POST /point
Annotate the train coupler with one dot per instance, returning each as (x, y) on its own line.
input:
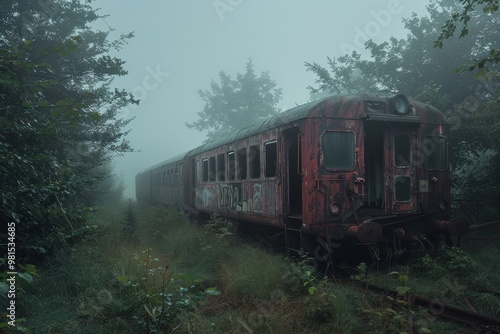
(366, 232)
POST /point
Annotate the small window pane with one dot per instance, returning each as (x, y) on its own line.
(179, 179)
(435, 149)
(198, 171)
(271, 159)
(402, 188)
(402, 151)
(242, 164)
(338, 150)
(231, 166)
(205, 170)
(211, 169)
(254, 159)
(221, 168)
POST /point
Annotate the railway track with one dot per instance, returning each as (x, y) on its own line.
(478, 323)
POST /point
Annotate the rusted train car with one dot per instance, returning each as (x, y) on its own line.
(366, 169)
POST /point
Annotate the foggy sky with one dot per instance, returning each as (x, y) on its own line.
(179, 46)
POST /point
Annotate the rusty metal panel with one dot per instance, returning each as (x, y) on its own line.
(246, 198)
(206, 196)
(323, 187)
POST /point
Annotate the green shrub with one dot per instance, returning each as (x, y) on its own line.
(251, 273)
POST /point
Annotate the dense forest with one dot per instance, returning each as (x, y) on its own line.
(59, 123)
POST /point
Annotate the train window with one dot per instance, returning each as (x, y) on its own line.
(435, 153)
(198, 171)
(231, 166)
(402, 151)
(376, 106)
(211, 169)
(242, 164)
(205, 170)
(271, 159)
(254, 158)
(338, 150)
(221, 168)
(179, 179)
(402, 188)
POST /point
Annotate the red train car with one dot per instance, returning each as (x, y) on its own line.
(368, 169)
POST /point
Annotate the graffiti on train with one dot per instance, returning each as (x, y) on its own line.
(230, 196)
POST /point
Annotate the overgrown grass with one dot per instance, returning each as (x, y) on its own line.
(111, 284)
(176, 277)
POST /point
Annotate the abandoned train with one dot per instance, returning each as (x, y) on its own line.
(365, 169)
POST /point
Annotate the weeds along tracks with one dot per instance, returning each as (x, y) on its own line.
(477, 322)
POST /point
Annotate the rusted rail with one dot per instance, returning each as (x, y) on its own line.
(482, 323)
(478, 227)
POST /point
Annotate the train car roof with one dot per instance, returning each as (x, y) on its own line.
(303, 111)
(178, 157)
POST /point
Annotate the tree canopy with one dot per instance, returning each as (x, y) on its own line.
(58, 116)
(232, 104)
(412, 65)
(490, 7)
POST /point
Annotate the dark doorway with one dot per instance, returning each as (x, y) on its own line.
(294, 177)
(374, 166)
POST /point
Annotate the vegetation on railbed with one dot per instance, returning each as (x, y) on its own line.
(177, 277)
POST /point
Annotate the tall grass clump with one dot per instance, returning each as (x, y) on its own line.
(251, 273)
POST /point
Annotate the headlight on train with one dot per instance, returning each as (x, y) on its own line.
(335, 208)
(401, 104)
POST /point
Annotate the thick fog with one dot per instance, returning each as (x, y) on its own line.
(180, 46)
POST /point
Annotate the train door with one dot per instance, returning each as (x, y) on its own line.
(292, 188)
(374, 199)
(389, 150)
(400, 177)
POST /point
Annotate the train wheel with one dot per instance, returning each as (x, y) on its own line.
(412, 249)
(381, 255)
